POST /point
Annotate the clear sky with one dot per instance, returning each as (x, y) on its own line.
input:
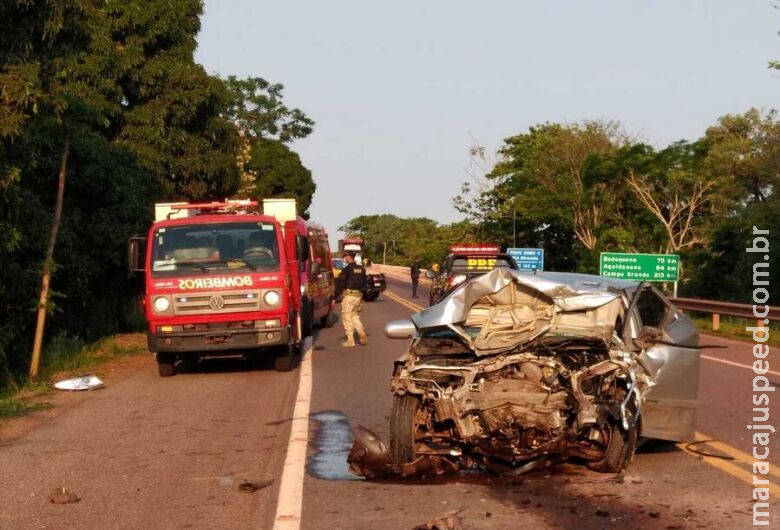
(399, 89)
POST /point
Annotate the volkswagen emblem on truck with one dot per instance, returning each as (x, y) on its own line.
(216, 302)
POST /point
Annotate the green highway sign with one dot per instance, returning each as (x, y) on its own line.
(647, 267)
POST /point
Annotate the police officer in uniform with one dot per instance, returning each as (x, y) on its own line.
(349, 291)
(414, 272)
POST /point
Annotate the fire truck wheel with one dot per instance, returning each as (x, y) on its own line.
(285, 359)
(165, 365)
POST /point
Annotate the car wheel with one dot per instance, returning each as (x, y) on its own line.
(285, 359)
(620, 449)
(166, 364)
(403, 427)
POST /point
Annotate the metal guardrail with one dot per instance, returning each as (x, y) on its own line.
(732, 309)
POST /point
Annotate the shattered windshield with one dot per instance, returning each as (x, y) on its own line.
(215, 248)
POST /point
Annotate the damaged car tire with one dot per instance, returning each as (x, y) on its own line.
(403, 427)
(620, 450)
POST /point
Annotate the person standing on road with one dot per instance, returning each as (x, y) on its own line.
(414, 271)
(349, 291)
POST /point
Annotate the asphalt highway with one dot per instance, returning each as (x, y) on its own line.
(147, 452)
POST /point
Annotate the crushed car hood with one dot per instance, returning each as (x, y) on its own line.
(504, 309)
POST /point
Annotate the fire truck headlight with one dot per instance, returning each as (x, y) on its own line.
(162, 304)
(271, 298)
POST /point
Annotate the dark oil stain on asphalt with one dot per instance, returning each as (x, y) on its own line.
(332, 443)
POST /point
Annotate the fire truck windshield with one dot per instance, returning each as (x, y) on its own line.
(215, 247)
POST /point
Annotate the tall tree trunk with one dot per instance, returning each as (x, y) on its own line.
(48, 264)
(384, 253)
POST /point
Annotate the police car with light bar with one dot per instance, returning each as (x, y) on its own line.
(465, 261)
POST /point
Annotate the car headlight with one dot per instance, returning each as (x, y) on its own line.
(162, 304)
(271, 298)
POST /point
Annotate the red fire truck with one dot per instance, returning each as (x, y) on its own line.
(224, 279)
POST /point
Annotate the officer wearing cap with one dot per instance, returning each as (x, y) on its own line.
(349, 291)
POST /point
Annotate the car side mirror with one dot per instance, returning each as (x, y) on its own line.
(430, 275)
(136, 253)
(400, 329)
(302, 248)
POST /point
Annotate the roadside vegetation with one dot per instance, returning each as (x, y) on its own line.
(103, 112)
(580, 189)
(734, 328)
(67, 357)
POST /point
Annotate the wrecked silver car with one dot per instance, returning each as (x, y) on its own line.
(515, 370)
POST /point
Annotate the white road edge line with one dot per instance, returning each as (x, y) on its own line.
(289, 504)
(732, 363)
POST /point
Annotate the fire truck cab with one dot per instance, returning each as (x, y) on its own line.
(224, 279)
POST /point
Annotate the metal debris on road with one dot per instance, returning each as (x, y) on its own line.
(84, 382)
(250, 487)
(693, 448)
(450, 521)
(63, 496)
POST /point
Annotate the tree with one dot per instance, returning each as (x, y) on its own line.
(547, 189)
(49, 82)
(677, 191)
(744, 150)
(546, 168)
(400, 241)
(379, 233)
(100, 95)
(173, 113)
(744, 153)
(268, 167)
(279, 172)
(257, 110)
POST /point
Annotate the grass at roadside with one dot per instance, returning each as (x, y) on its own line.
(66, 357)
(734, 328)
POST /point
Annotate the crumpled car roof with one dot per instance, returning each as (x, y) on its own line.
(568, 291)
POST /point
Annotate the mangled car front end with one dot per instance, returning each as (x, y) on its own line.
(514, 371)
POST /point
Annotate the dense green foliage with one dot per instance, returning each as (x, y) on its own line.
(144, 123)
(269, 168)
(581, 189)
(395, 241)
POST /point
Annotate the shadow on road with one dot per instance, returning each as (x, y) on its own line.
(647, 446)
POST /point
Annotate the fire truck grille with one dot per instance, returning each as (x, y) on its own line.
(222, 302)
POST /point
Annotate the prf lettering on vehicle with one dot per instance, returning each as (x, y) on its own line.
(481, 263)
(215, 283)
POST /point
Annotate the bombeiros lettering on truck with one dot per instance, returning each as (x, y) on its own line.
(207, 283)
(229, 279)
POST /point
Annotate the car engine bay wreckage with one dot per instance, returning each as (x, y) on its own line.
(515, 371)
